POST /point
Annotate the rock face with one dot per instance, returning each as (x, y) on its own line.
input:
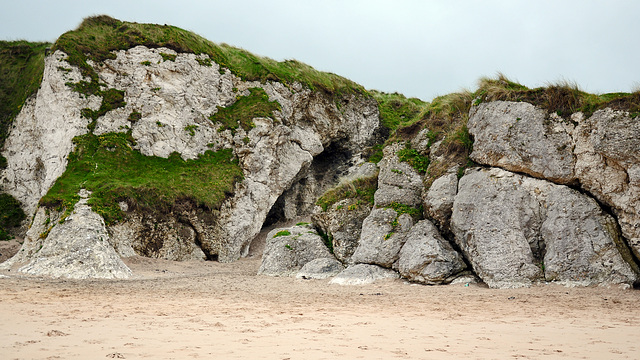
(288, 250)
(363, 274)
(78, 248)
(174, 100)
(383, 235)
(398, 182)
(343, 224)
(428, 258)
(600, 153)
(519, 137)
(438, 201)
(517, 230)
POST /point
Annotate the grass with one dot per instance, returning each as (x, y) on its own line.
(563, 98)
(21, 70)
(412, 157)
(99, 36)
(362, 189)
(108, 166)
(282, 233)
(397, 111)
(244, 110)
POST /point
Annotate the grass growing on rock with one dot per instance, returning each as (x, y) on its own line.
(98, 37)
(108, 166)
(244, 110)
(361, 188)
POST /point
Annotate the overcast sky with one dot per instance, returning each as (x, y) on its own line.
(418, 48)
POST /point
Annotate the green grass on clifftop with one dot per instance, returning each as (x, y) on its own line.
(97, 37)
(108, 166)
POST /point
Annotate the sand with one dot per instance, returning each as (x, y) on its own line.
(209, 310)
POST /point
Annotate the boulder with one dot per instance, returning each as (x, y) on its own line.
(320, 269)
(343, 225)
(520, 137)
(383, 234)
(516, 230)
(77, 248)
(438, 200)
(288, 249)
(398, 182)
(428, 258)
(363, 274)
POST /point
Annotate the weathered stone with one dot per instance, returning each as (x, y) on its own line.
(363, 274)
(438, 201)
(343, 224)
(398, 182)
(520, 137)
(511, 227)
(383, 234)
(428, 258)
(608, 166)
(320, 269)
(288, 250)
(78, 248)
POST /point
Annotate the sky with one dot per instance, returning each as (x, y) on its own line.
(420, 48)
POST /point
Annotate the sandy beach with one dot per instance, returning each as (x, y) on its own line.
(209, 310)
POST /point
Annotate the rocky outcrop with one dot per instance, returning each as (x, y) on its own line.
(76, 247)
(599, 152)
(516, 230)
(174, 99)
(363, 274)
(427, 257)
(288, 250)
(41, 135)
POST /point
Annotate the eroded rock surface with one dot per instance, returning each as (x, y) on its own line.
(363, 274)
(398, 182)
(320, 269)
(288, 250)
(78, 248)
(516, 230)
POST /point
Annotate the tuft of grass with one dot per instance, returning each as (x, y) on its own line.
(109, 167)
(282, 233)
(412, 157)
(244, 110)
(397, 111)
(362, 188)
(168, 57)
(563, 98)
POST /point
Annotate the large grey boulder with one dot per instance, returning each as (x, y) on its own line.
(77, 248)
(516, 230)
(343, 224)
(319, 269)
(398, 182)
(600, 153)
(428, 258)
(383, 235)
(363, 274)
(288, 249)
(520, 137)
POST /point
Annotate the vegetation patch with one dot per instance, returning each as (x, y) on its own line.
(362, 189)
(108, 166)
(563, 98)
(168, 57)
(416, 213)
(412, 157)
(11, 215)
(244, 110)
(111, 99)
(99, 36)
(282, 233)
(397, 111)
